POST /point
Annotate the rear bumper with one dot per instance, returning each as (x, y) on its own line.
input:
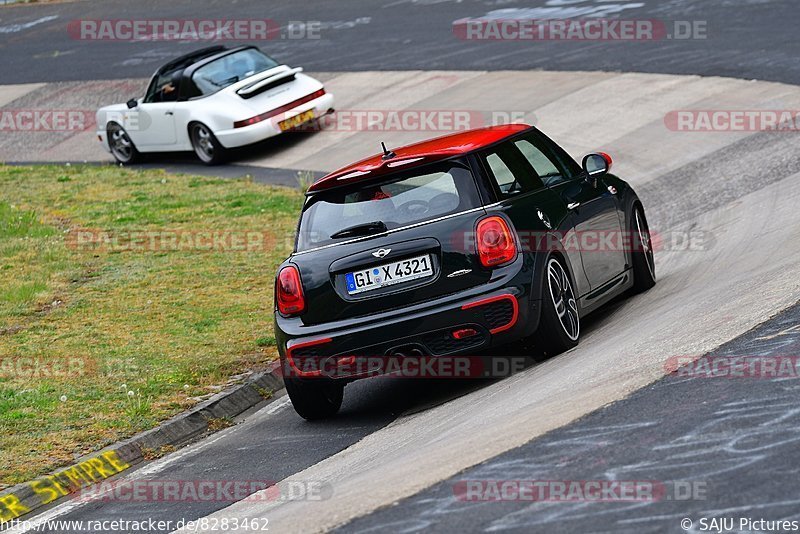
(461, 326)
(246, 135)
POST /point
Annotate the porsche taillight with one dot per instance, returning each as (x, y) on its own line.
(277, 111)
(289, 291)
(496, 245)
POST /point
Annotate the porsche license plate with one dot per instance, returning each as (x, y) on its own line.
(297, 120)
(389, 274)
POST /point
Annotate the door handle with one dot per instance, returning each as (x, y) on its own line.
(168, 113)
(573, 205)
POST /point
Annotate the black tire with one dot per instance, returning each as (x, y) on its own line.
(560, 324)
(121, 145)
(316, 398)
(205, 144)
(644, 266)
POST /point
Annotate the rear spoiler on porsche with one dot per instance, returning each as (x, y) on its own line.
(266, 83)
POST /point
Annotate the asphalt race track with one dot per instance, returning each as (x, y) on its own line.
(731, 439)
(750, 39)
(723, 203)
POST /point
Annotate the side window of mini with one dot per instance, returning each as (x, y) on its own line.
(545, 163)
(566, 162)
(509, 171)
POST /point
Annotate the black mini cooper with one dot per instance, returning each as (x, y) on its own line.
(449, 246)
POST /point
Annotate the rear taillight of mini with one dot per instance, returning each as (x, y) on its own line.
(496, 245)
(289, 291)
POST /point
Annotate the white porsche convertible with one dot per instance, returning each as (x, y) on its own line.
(212, 100)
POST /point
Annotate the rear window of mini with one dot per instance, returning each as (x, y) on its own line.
(401, 199)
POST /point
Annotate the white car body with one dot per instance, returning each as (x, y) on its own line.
(164, 126)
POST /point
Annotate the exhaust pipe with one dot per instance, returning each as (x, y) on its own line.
(406, 352)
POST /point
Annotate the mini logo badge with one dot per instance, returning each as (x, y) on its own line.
(381, 252)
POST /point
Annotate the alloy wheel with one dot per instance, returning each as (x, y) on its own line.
(203, 143)
(645, 243)
(563, 299)
(120, 143)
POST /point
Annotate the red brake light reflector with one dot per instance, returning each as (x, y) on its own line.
(342, 361)
(496, 244)
(248, 122)
(289, 291)
(464, 333)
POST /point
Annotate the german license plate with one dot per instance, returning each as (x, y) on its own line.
(297, 120)
(389, 274)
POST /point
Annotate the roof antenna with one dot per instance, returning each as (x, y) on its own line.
(387, 154)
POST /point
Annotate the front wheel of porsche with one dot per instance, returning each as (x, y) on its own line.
(121, 145)
(560, 324)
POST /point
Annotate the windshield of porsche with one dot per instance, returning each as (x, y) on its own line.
(230, 69)
(411, 197)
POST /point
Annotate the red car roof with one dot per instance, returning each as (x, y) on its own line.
(410, 156)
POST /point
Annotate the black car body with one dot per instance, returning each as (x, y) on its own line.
(488, 237)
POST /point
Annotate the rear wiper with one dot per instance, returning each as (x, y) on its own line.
(374, 227)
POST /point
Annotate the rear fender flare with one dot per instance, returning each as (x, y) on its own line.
(629, 203)
(540, 266)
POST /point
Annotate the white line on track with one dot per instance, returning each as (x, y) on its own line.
(39, 522)
(16, 28)
(278, 406)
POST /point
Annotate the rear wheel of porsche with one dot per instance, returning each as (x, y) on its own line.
(644, 264)
(121, 145)
(315, 399)
(560, 325)
(205, 144)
